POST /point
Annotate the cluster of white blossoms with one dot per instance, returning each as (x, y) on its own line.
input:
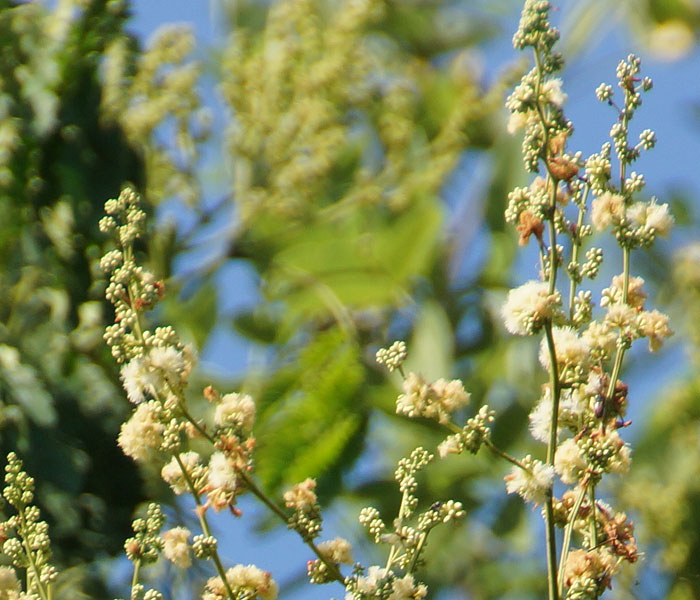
(211, 458)
(24, 539)
(582, 410)
(155, 371)
(245, 581)
(532, 479)
(381, 583)
(530, 306)
(438, 400)
(393, 356)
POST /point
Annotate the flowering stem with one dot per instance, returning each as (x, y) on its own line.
(204, 524)
(620, 355)
(393, 552)
(576, 249)
(498, 452)
(494, 449)
(135, 576)
(132, 293)
(43, 592)
(330, 565)
(551, 449)
(568, 530)
(258, 493)
(416, 554)
(593, 527)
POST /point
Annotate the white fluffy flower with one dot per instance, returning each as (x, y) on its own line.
(168, 360)
(614, 294)
(572, 351)
(569, 462)
(172, 473)
(528, 306)
(338, 551)
(651, 216)
(142, 433)
(654, 325)
(247, 581)
(601, 340)
(450, 445)
(571, 404)
(607, 209)
(532, 484)
(368, 584)
(541, 419)
(406, 589)
(517, 120)
(221, 473)
(10, 586)
(620, 462)
(552, 91)
(236, 410)
(301, 496)
(433, 401)
(138, 379)
(659, 218)
(176, 548)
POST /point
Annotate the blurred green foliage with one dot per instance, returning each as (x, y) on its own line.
(61, 406)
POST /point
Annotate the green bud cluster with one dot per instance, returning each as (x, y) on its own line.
(27, 542)
(146, 544)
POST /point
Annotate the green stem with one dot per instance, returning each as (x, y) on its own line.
(43, 592)
(576, 249)
(493, 448)
(416, 554)
(394, 550)
(593, 526)
(620, 355)
(204, 524)
(551, 450)
(554, 375)
(135, 576)
(258, 493)
(498, 452)
(568, 530)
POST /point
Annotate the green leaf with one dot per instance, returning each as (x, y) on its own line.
(432, 346)
(25, 388)
(305, 432)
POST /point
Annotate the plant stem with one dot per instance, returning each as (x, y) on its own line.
(498, 452)
(493, 448)
(204, 524)
(554, 375)
(576, 249)
(568, 530)
(620, 355)
(593, 525)
(135, 576)
(257, 492)
(30, 557)
(551, 450)
(416, 554)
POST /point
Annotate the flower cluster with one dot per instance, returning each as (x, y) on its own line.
(406, 541)
(438, 400)
(162, 432)
(302, 499)
(393, 356)
(25, 539)
(471, 437)
(582, 409)
(241, 581)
